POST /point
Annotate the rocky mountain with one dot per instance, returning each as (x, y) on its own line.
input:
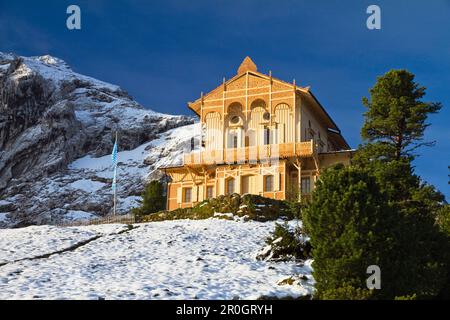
(57, 130)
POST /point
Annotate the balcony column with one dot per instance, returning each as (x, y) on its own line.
(298, 165)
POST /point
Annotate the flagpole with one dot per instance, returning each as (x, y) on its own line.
(115, 188)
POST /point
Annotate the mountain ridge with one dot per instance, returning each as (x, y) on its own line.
(50, 117)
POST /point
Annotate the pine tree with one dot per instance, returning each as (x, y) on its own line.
(396, 115)
(378, 211)
(394, 127)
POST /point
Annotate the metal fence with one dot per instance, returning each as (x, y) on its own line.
(125, 219)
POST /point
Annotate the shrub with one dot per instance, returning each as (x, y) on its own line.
(348, 223)
(251, 207)
(353, 224)
(285, 244)
(347, 292)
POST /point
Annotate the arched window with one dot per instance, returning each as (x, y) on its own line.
(285, 128)
(258, 103)
(258, 109)
(235, 115)
(234, 108)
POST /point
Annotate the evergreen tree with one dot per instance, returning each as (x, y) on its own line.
(396, 115)
(399, 211)
(394, 127)
(349, 225)
(153, 198)
(352, 225)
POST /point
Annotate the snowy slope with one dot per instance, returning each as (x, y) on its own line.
(35, 241)
(184, 259)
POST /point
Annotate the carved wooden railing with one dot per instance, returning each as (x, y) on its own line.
(250, 154)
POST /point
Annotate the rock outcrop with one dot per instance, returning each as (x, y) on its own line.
(51, 116)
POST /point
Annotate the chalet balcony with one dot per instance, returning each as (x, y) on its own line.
(250, 154)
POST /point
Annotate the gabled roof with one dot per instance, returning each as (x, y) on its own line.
(195, 105)
(248, 67)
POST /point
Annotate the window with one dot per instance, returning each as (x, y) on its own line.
(281, 132)
(306, 185)
(187, 194)
(245, 184)
(230, 186)
(266, 136)
(209, 192)
(268, 183)
(235, 120)
(232, 139)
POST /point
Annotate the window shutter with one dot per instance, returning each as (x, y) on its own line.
(261, 135)
(221, 186)
(260, 184)
(194, 193)
(201, 195)
(281, 138)
(180, 195)
(239, 134)
(276, 182)
(237, 184)
(251, 184)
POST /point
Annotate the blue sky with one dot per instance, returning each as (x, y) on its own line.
(165, 52)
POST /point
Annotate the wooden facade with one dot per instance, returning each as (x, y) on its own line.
(261, 136)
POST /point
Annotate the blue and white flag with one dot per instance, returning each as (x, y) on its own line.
(114, 163)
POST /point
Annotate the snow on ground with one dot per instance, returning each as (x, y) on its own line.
(34, 241)
(182, 259)
(79, 215)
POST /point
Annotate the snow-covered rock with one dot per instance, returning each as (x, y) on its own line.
(57, 129)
